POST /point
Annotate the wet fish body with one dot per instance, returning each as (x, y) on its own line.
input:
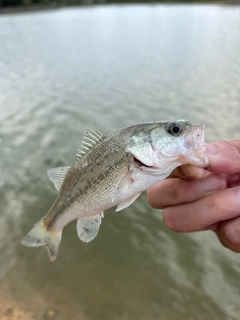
(115, 170)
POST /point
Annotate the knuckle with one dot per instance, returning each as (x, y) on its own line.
(217, 205)
(182, 191)
(227, 159)
(229, 234)
(231, 230)
(233, 146)
(176, 190)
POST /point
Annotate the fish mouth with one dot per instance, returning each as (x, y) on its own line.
(138, 163)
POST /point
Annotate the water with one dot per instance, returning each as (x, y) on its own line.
(63, 72)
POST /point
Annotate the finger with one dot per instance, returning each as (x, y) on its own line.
(224, 156)
(188, 172)
(217, 206)
(233, 180)
(171, 192)
(229, 234)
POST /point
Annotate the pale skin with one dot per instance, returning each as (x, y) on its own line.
(196, 199)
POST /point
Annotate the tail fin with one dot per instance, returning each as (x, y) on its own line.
(40, 236)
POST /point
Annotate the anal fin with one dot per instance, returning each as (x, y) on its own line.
(88, 227)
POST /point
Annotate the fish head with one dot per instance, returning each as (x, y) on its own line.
(169, 143)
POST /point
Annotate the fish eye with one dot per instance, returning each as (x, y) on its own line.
(174, 129)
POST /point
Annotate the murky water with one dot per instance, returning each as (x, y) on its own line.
(64, 72)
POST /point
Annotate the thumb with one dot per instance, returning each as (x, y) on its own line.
(224, 156)
(188, 172)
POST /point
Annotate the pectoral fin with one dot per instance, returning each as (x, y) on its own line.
(123, 186)
(128, 202)
(87, 228)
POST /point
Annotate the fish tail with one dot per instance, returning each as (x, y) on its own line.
(40, 236)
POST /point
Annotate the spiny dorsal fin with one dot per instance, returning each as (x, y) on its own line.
(90, 140)
(57, 175)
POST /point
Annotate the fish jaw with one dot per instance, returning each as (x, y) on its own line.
(195, 149)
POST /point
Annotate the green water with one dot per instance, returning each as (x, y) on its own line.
(63, 72)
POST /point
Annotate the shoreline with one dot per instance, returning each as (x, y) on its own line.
(35, 8)
(24, 9)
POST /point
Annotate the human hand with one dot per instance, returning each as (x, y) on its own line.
(195, 199)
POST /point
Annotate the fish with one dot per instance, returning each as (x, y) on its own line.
(112, 171)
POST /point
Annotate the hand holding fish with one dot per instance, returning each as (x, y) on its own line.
(204, 199)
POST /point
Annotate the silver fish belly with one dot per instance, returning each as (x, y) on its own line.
(115, 170)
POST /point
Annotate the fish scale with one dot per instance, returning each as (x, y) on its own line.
(114, 170)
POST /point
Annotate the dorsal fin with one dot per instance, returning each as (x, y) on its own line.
(57, 176)
(90, 140)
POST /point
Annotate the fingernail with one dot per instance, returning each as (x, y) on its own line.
(211, 183)
(211, 148)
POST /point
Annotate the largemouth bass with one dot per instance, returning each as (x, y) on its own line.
(114, 170)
